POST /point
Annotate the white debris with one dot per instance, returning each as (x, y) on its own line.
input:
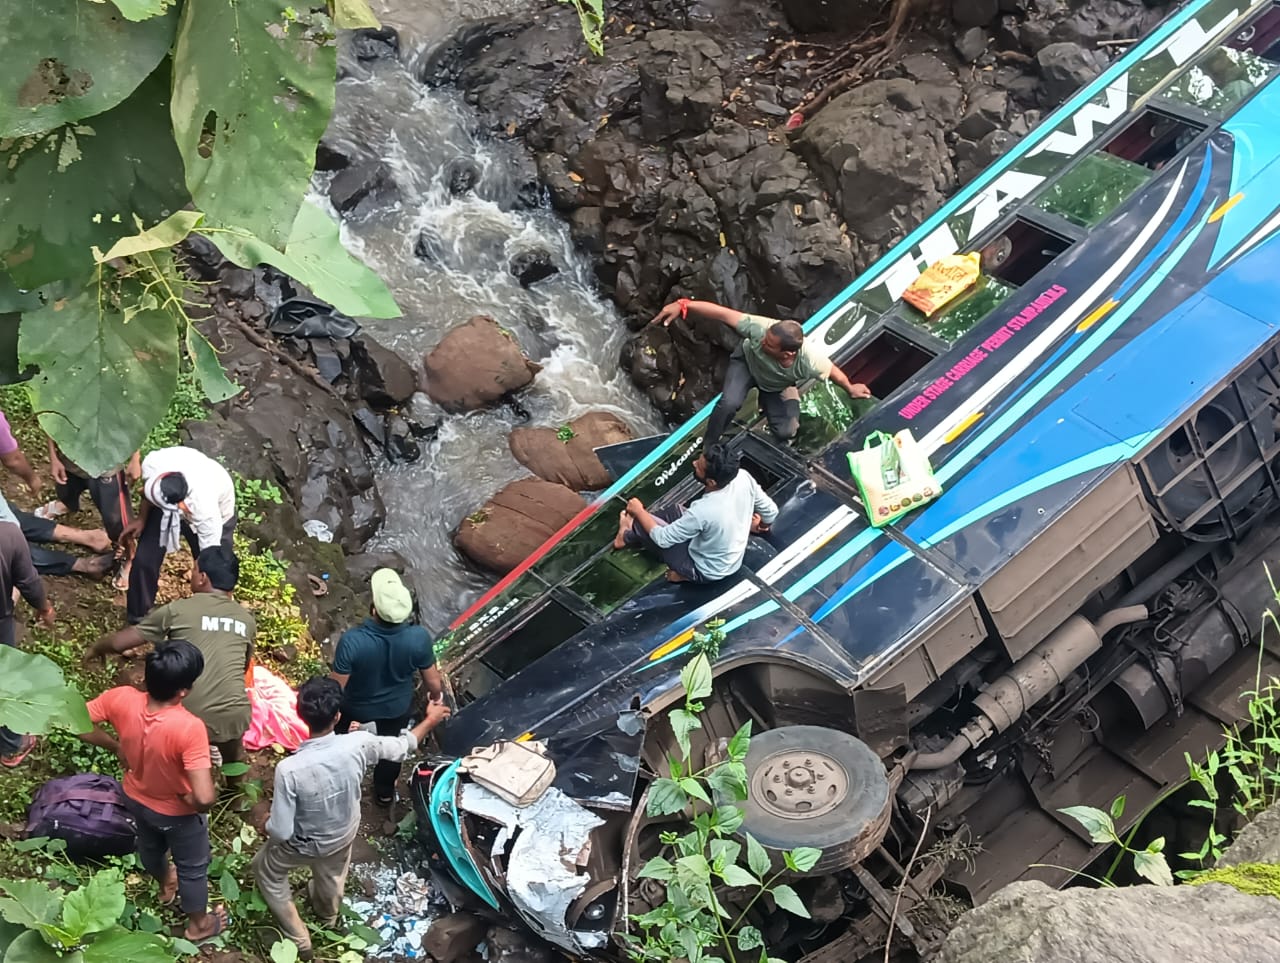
(401, 910)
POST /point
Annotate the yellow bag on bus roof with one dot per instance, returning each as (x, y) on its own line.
(942, 281)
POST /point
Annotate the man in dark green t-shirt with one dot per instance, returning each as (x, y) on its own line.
(377, 662)
(223, 630)
(774, 357)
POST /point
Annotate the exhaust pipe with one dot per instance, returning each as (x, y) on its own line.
(1030, 679)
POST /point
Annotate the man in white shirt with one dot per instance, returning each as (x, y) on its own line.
(707, 541)
(184, 492)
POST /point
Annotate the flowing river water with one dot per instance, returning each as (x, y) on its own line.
(425, 136)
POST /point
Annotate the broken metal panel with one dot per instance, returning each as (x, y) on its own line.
(597, 765)
(881, 718)
(550, 841)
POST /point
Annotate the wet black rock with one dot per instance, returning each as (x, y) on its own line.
(429, 246)
(971, 44)
(681, 88)
(530, 267)
(985, 113)
(401, 440)
(359, 183)
(974, 13)
(330, 156)
(381, 377)
(463, 176)
(1065, 68)
(375, 44)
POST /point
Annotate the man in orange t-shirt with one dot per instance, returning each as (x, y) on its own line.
(168, 778)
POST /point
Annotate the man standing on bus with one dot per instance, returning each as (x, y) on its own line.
(774, 357)
(707, 541)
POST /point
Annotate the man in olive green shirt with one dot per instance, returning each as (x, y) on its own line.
(774, 357)
(222, 629)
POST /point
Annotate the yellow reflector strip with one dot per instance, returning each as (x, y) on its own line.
(1221, 211)
(961, 428)
(1098, 313)
(527, 737)
(670, 646)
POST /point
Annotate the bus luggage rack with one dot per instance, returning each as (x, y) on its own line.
(1216, 473)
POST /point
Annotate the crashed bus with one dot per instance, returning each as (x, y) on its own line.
(1080, 608)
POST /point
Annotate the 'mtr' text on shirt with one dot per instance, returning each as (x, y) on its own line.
(214, 623)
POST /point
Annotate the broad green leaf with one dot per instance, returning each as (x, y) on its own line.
(1153, 866)
(234, 768)
(353, 14)
(29, 902)
(757, 857)
(740, 742)
(208, 369)
(690, 944)
(95, 906)
(804, 858)
(683, 723)
(696, 678)
(249, 109)
(119, 944)
(787, 899)
(1117, 807)
(284, 951)
(1156, 845)
(30, 947)
(167, 233)
(750, 938)
(1095, 822)
(66, 60)
(229, 887)
(693, 787)
(8, 933)
(315, 256)
(737, 876)
(728, 819)
(12, 299)
(35, 698)
(141, 9)
(728, 781)
(79, 186)
(102, 391)
(692, 871)
(656, 868)
(666, 798)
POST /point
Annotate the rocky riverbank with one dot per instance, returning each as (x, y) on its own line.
(673, 158)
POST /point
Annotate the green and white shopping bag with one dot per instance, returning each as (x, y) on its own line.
(893, 475)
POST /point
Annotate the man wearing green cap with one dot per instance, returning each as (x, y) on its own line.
(376, 663)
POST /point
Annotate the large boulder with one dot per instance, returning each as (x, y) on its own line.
(823, 16)
(1136, 924)
(381, 377)
(882, 151)
(513, 523)
(1065, 68)
(475, 364)
(680, 83)
(570, 460)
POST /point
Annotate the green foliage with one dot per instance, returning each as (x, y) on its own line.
(124, 125)
(708, 641)
(702, 867)
(36, 696)
(253, 494)
(591, 17)
(315, 255)
(566, 434)
(81, 925)
(52, 70)
(264, 588)
(187, 404)
(1149, 863)
(1255, 879)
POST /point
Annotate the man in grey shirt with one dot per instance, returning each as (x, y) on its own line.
(707, 541)
(315, 810)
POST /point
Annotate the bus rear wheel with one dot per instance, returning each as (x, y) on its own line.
(818, 787)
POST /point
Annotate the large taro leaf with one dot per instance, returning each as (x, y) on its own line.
(249, 109)
(63, 60)
(81, 185)
(315, 257)
(105, 379)
(35, 698)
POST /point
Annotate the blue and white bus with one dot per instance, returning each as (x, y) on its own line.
(1079, 608)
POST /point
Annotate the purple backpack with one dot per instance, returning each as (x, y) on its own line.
(88, 812)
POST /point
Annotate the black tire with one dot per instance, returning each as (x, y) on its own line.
(850, 796)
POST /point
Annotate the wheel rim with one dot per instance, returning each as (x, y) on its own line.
(800, 784)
